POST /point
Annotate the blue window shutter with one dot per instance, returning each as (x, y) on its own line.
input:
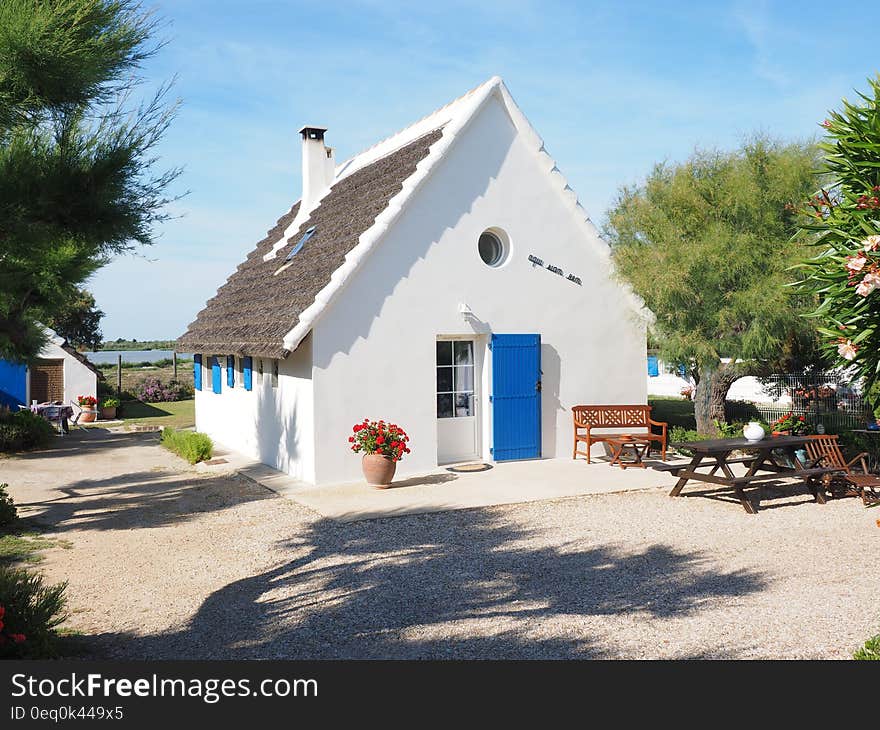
(197, 371)
(248, 373)
(653, 366)
(230, 371)
(215, 374)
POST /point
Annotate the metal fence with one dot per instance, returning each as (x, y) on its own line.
(823, 398)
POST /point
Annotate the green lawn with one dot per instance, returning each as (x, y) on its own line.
(674, 411)
(177, 414)
(21, 543)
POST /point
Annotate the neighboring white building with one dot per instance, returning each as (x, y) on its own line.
(445, 279)
(59, 374)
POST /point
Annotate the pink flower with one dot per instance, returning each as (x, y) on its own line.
(847, 350)
(868, 284)
(871, 243)
(856, 263)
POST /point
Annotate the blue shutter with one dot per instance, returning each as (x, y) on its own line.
(215, 374)
(197, 371)
(248, 373)
(653, 366)
(230, 371)
(516, 397)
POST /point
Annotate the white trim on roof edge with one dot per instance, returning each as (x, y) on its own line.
(456, 125)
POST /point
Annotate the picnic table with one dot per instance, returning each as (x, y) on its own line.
(716, 454)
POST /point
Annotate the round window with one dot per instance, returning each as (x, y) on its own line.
(493, 249)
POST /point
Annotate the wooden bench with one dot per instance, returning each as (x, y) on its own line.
(675, 468)
(588, 418)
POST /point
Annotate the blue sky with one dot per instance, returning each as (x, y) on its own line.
(612, 87)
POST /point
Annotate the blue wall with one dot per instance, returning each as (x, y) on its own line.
(13, 384)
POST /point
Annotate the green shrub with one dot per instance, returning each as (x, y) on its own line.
(8, 512)
(31, 611)
(192, 446)
(23, 430)
(870, 651)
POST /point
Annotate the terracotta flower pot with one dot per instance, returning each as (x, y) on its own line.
(108, 413)
(782, 433)
(378, 470)
(88, 415)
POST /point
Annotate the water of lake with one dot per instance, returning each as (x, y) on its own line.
(109, 356)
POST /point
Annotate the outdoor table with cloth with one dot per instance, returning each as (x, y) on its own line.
(54, 413)
(716, 455)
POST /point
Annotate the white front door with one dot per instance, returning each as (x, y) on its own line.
(457, 429)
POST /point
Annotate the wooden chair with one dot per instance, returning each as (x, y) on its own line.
(588, 418)
(825, 450)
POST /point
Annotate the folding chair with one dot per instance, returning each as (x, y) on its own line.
(825, 450)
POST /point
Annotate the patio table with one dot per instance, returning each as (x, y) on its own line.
(54, 413)
(716, 455)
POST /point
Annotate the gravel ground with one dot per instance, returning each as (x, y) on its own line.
(167, 563)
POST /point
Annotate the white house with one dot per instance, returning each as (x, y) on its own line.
(445, 279)
(60, 374)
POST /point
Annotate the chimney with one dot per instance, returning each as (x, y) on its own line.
(318, 166)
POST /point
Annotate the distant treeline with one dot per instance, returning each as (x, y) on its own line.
(157, 364)
(121, 344)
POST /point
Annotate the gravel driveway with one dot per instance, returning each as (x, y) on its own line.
(169, 563)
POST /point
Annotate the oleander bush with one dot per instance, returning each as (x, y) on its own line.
(30, 612)
(192, 446)
(23, 430)
(153, 390)
(8, 512)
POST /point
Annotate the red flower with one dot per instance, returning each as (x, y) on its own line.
(357, 428)
(351, 439)
(17, 638)
(2, 611)
(380, 439)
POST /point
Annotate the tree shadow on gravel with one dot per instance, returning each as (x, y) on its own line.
(93, 440)
(461, 585)
(139, 500)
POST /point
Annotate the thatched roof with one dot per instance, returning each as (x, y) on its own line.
(253, 311)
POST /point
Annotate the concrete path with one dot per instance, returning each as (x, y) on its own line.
(441, 490)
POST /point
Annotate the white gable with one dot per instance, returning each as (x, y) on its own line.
(454, 119)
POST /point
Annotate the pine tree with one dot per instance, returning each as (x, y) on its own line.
(77, 184)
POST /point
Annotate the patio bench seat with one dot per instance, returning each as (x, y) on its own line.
(589, 418)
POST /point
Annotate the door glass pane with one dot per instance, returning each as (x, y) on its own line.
(464, 404)
(464, 378)
(464, 353)
(444, 353)
(444, 406)
(444, 380)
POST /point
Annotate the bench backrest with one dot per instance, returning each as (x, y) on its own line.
(611, 416)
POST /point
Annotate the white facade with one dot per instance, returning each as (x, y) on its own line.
(372, 347)
(79, 379)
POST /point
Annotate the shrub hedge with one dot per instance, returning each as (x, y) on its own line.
(153, 390)
(192, 446)
(870, 651)
(23, 430)
(30, 611)
(8, 511)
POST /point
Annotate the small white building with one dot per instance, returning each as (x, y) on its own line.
(445, 279)
(59, 374)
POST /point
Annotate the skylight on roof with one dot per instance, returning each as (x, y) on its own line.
(305, 237)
